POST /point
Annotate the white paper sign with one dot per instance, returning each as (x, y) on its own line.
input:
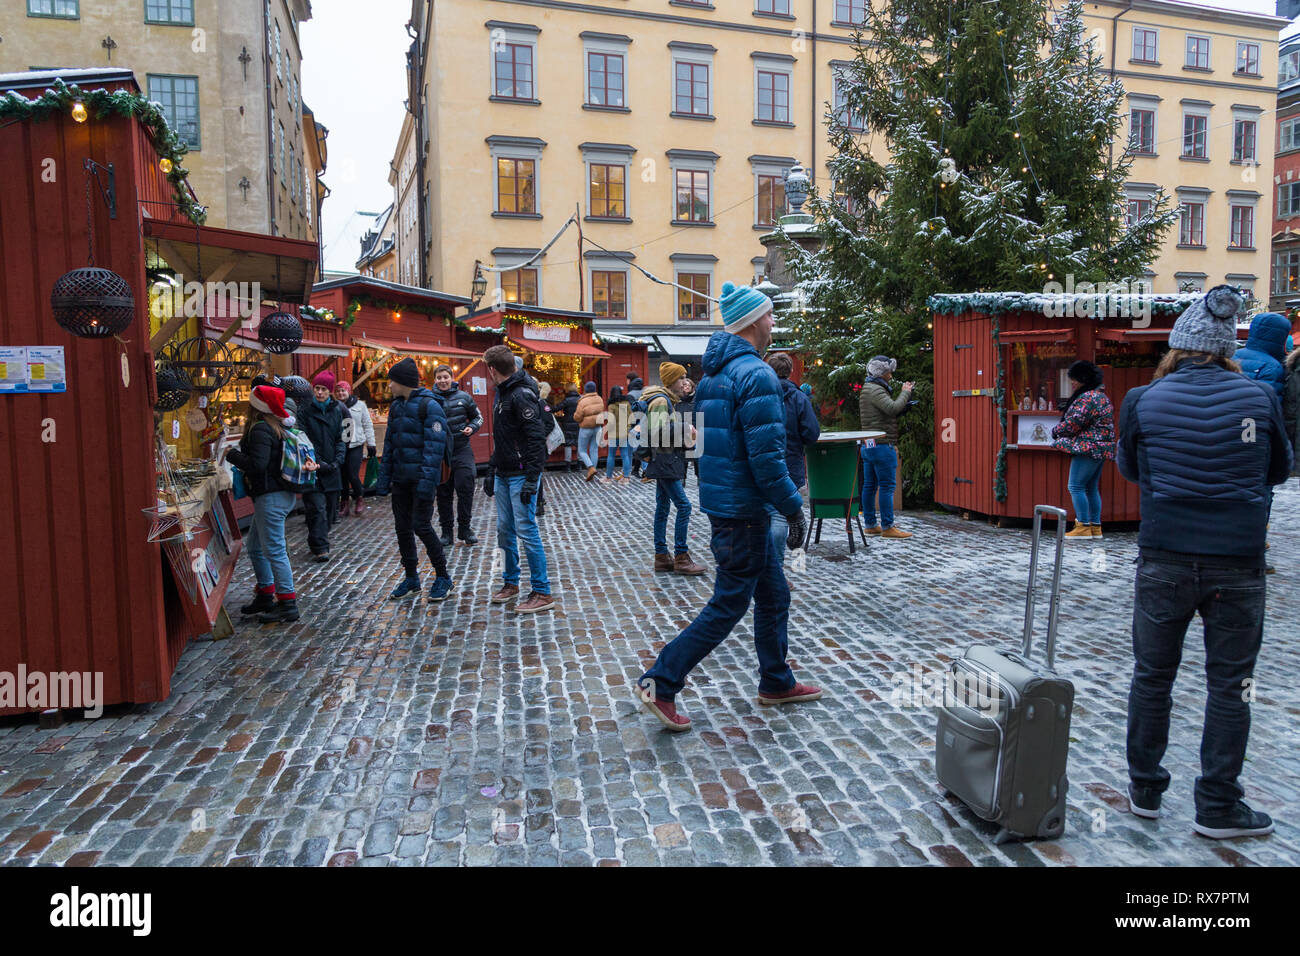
(478, 385)
(46, 371)
(547, 333)
(13, 369)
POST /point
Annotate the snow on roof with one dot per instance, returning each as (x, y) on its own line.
(37, 78)
(1060, 304)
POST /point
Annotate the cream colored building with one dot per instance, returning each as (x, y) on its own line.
(668, 124)
(379, 248)
(406, 206)
(228, 75)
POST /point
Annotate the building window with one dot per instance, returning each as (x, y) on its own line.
(1288, 200)
(1198, 52)
(1242, 235)
(1138, 209)
(1248, 58)
(854, 122)
(692, 88)
(1243, 141)
(273, 135)
(608, 190)
(1286, 271)
(692, 306)
(609, 294)
(68, 9)
(179, 98)
(1288, 134)
(1195, 130)
(1191, 224)
(850, 11)
(840, 194)
(519, 286)
(169, 11)
(605, 79)
(277, 51)
(1288, 67)
(1144, 45)
(771, 200)
(692, 195)
(773, 96)
(283, 141)
(517, 186)
(778, 7)
(1189, 283)
(293, 175)
(514, 71)
(1142, 131)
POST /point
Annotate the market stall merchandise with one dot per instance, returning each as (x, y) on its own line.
(1000, 361)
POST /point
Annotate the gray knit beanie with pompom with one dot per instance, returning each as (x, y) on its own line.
(1210, 323)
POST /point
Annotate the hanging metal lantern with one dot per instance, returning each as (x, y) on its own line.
(173, 385)
(93, 303)
(297, 388)
(280, 333)
(206, 362)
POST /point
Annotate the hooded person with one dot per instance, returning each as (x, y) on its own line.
(322, 421)
(1264, 353)
(665, 439)
(878, 410)
(742, 471)
(1291, 403)
(1204, 506)
(359, 437)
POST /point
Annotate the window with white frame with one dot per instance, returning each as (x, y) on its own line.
(772, 81)
(1242, 231)
(516, 161)
(607, 166)
(179, 98)
(1288, 134)
(605, 63)
(1288, 66)
(1191, 220)
(1286, 271)
(692, 79)
(692, 172)
(513, 49)
(1288, 200)
(1198, 52)
(1145, 44)
(1243, 140)
(1247, 58)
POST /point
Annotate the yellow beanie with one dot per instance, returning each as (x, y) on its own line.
(670, 372)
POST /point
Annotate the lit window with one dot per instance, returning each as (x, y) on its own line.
(519, 286)
(608, 190)
(771, 200)
(692, 195)
(692, 306)
(516, 186)
(1191, 224)
(609, 294)
(1243, 228)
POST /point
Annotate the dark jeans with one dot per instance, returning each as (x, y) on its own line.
(1231, 604)
(747, 570)
(462, 484)
(669, 494)
(322, 510)
(413, 518)
(353, 487)
(879, 476)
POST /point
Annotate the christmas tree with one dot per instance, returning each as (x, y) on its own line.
(1003, 172)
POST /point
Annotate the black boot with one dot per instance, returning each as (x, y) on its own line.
(261, 602)
(468, 536)
(284, 612)
(446, 538)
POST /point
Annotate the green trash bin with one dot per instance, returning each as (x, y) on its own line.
(834, 488)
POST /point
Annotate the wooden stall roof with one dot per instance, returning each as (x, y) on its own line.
(284, 267)
(394, 291)
(413, 348)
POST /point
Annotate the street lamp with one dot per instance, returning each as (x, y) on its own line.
(479, 285)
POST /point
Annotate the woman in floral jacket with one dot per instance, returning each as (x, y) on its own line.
(1087, 433)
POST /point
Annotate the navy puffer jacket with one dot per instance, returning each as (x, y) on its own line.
(1262, 356)
(414, 452)
(1204, 444)
(742, 466)
(801, 430)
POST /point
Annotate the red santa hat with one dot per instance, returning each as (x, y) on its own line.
(269, 399)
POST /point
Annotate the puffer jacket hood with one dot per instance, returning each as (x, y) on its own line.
(1268, 332)
(742, 465)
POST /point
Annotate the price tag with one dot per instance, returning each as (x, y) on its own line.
(126, 371)
(176, 428)
(203, 401)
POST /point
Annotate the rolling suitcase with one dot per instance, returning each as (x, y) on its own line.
(1004, 726)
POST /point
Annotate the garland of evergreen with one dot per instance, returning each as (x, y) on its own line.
(1097, 305)
(99, 104)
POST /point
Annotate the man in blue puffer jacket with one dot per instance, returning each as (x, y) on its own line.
(1205, 445)
(1262, 356)
(415, 446)
(742, 470)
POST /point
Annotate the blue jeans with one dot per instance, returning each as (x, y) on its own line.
(1231, 604)
(747, 571)
(265, 542)
(779, 531)
(879, 474)
(1085, 488)
(625, 450)
(671, 493)
(589, 446)
(516, 520)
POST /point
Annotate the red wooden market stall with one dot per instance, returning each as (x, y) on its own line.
(120, 537)
(1000, 361)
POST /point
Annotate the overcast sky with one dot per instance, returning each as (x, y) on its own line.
(354, 78)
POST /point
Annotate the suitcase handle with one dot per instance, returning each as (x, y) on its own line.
(1059, 514)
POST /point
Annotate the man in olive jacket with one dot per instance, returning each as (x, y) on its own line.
(879, 411)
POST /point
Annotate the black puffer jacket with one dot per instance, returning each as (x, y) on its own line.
(258, 457)
(324, 426)
(518, 430)
(567, 414)
(462, 411)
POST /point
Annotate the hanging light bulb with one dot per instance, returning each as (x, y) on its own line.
(79, 111)
(165, 164)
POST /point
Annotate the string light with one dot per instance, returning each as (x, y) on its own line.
(165, 164)
(79, 111)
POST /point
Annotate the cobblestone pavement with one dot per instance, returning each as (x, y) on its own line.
(384, 733)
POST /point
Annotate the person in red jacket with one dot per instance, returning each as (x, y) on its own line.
(1086, 433)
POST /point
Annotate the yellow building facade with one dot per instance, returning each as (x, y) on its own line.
(228, 75)
(666, 125)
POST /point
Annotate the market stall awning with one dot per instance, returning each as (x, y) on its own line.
(284, 268)
(411, 348)
(559, 348)
(307, 348)
(1130, 335)
(686, 346)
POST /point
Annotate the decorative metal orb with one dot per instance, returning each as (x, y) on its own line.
(173, 385)
(280, 333)
(796, 186)
(206, 362)
(297, 388)
(93, 303)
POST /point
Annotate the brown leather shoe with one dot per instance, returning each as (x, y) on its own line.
(874, 529)
(535, 602)
(895, 533)
(682, 564)
(663, 562)
(505, 594)
(591, 472)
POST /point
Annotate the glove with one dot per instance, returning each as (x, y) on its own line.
(526, 493)
(490, 484)
(370, 452)
(798, 530)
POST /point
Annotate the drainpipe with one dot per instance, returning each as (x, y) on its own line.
(270, 132)
(816, 126)
(1114, 41)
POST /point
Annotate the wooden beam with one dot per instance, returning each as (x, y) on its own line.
(465, 371)
(329, 359)
(164, 334)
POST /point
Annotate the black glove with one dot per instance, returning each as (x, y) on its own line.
(526, 493)
(370, 451)
(798, 530)
(490, 484)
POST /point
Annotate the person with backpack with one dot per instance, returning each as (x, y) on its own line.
(801, 430)
(665, 439)
(588, 414)
(1204, 504)
(416, 445)
(358, 436)
(634, 389)
(322, 421)
(518, 454)
(1086, 432)
(567, 415)
(618, 423)
(463, 420)
(260, 457)
(1291, 405)
(686, 412)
